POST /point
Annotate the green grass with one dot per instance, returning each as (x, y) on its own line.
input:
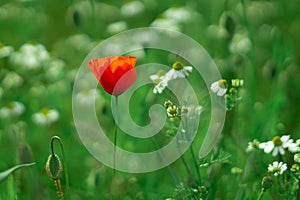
(69, 30)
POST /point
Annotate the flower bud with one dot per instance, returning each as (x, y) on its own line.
(266, 183)
(54, 167)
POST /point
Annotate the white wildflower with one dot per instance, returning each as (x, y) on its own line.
(180, 14)
(297, 157)
(45, 116)
(5, 51)
(12, 109)
(86, 96)
(132, 8)
(116, 27)
(11, 80)
(178, 71)
(252, 145)
(277, 168)
(277, 145)
(30, 56)
(295, 147)
(219, 87)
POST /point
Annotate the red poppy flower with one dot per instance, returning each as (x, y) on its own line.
(110, 70)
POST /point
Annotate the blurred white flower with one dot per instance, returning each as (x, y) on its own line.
(86, 96)
(297, 157)
(179, 14)
(219, 87)
(277, 145)
(158, 77)
(45, 116)
(178, 71)
(12, 79)
(166, 23)
(295, 147)
(12, 109)
(277, 168)
(5, 51)
(54, 69)
(240, 44)
(30, 56)
(132, 8)
(252, 146)
(116, 27)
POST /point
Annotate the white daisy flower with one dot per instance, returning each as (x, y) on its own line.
(86, 96)
(297, 157)
(5, 51)
(132, 8)
(277, 168)
(30, 56)
(160, 87)
(180, 14)
(116, 27)
(252, 145)
(12, 109)
(295, 147)
(178, 71)
(219, 87)
(12, 79)
(45, 116)
(277, 145)
(166, 23)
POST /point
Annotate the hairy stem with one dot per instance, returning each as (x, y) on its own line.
(64, 162)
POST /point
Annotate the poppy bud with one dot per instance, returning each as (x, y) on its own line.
(54, 167)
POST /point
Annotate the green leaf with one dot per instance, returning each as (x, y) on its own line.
(5, 174)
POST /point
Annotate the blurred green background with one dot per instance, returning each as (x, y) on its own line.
(257, 41)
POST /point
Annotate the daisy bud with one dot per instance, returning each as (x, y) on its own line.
(168, 104)
(177, 66)
(54, 167)
(237, 83)
(172, 111)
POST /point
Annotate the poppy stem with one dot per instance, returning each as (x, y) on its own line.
(115, 136)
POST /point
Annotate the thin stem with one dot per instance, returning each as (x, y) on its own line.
(195, 164)
(298, 192)
(261, 194)
(64, 161)
(115, 137)
(183, 160)
(162, 157)
(184, 121)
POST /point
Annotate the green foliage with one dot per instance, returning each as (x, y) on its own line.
(257, 41)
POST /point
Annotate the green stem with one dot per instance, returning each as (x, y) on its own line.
(64, 161)
(261, 194)
(115, 137)
(185, 124)
(195, 164)
(298, 192)
(183, 160)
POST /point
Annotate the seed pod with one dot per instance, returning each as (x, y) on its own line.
(54, 167)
